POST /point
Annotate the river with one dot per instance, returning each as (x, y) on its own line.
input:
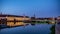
(28, 29)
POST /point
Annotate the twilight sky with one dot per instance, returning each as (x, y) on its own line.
(41, 8)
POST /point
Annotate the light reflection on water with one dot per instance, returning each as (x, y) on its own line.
(29, 29)
(15, 24)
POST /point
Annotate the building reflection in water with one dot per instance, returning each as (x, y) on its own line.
(15, 24)
(12, 24)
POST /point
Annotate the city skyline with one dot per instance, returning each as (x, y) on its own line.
(41, 8)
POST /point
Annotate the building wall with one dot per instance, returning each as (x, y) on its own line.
(17, 18)
(21, 18)
(10, 18)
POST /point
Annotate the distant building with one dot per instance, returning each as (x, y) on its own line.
(58, 19)
(33, 18)
(13, 20)
(12, 17)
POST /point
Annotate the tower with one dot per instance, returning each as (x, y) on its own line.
(34, 16)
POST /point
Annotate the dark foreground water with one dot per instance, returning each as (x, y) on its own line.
(29, 29)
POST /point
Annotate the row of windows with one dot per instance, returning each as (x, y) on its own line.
(17, 18)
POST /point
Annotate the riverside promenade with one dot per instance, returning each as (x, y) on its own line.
(57, 29)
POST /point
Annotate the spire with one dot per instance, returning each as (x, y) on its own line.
(34, 16)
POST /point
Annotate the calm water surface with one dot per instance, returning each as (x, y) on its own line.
(29, 29)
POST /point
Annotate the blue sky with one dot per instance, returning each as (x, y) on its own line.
(41, 8)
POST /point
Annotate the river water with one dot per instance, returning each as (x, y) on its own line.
(29, 29)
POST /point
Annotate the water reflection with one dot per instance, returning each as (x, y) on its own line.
(15, 24)
(52, 29)
(28, 29)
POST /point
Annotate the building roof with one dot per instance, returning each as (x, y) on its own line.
(4, 15)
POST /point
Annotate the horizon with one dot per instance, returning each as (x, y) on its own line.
(29, 16)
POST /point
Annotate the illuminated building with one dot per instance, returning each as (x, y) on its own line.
(13, 20)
